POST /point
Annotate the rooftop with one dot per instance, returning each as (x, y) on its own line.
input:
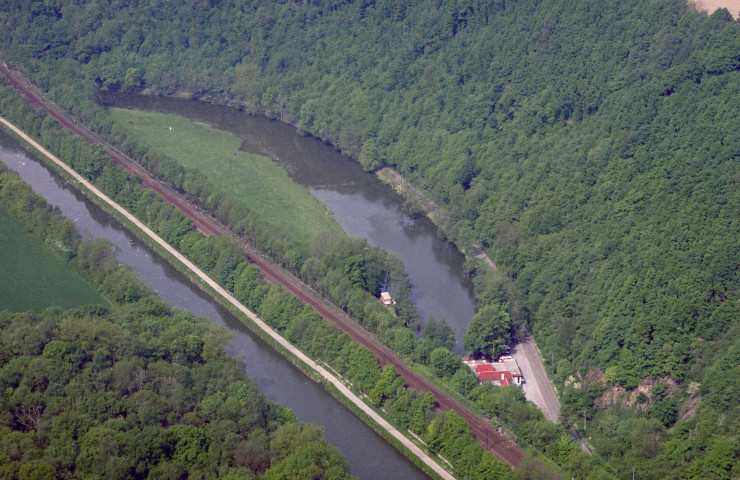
(504, 372)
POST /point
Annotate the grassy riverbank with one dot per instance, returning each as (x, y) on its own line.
(250, 320)
(253, 179)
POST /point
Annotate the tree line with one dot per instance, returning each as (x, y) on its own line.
(588, 147)
(134, 390)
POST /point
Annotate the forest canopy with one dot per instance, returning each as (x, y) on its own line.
(590, 147)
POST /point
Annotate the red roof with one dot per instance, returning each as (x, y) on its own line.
(486, 372)
(486, 367)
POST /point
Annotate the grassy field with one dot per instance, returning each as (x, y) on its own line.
(257, 181)
(32, 277)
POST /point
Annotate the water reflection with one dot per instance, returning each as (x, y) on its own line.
(361, 204)
(368, 455)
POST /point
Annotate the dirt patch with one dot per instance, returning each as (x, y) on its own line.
(594, 375)
(415, 200)
(618, 395)
(688, 409)
(710, 6)
(611, 396)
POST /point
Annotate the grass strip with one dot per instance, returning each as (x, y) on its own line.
(259, 183)
(33, 277)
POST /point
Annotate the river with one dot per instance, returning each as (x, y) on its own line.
(368, 454)
(362, 205)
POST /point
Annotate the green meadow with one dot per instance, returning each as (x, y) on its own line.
(261, 184)
(32, 277)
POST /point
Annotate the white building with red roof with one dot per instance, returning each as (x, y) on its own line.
(503, 372)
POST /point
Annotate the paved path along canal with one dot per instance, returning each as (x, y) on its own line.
(500, 446)
(369, 455)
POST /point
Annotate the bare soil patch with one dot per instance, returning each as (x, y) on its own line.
(711, 6)
(616, 394)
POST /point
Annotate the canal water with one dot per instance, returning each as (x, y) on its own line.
(368, 454)
(361, 204)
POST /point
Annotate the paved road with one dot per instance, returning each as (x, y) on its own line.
(504, 449)
(537, 386)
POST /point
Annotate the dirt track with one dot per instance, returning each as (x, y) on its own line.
(500, 446)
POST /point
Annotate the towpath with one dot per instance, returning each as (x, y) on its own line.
(334, 381)
(503, 448)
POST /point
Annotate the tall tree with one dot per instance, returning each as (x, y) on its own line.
(489, 331)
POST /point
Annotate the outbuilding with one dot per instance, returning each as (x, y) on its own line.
(386, 298)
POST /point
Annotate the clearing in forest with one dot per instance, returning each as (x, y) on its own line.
(257, 182)
(711, 6)
(32, 277)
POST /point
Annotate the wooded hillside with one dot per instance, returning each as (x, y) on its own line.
(591, 147)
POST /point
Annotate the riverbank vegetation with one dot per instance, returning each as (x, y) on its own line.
(132, 389)
(590, 147)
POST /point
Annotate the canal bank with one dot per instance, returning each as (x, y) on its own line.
(361, 204)
(367, 453)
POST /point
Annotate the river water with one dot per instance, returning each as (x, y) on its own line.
(361, 204)
(368, 454)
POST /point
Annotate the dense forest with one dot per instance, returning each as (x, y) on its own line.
(135, 389)
(226, 262)
(590, 147)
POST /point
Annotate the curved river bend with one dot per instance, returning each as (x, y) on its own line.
(368, 454)
(361, 204)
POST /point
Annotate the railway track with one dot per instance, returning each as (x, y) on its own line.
(503, 448)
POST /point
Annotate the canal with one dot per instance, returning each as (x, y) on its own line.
(368, 454)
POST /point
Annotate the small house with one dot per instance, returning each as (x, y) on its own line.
(504, 372)
(386, 298)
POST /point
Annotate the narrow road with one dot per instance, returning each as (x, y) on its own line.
(537, 387)
(504, 449)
